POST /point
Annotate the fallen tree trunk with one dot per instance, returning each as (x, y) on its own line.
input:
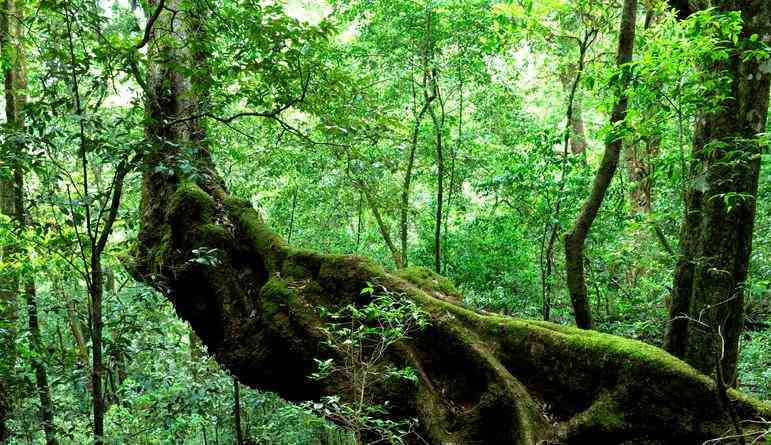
(482, 379)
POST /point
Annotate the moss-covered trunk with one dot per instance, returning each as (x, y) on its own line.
(482, 379)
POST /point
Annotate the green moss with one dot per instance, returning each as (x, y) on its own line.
(275, 295)
(294, 270)
(211, 235)
(429, 280)
(151, 261)
(606, 414)
(190, 205)
(759, 406)
(604, 346)
(265, 242)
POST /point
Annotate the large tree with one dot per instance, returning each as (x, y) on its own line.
(707, 307)
(257, 303)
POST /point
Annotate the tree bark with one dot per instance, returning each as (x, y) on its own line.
(11, 205)
(96, 292)
(552, 228)
(438, 122)
(707, 308)
(483, 379)
(12, 30)
(9, 290)
(38, 365)
(75, 325)
(576, 238)
(576, 123)
(453, 173)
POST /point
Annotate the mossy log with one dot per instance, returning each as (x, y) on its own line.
(483, 378)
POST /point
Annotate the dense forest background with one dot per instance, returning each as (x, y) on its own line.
(442, 136)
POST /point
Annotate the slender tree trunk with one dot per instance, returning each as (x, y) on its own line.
(576, 238)
(96, 292)
(359, 221)
(291, 216)
(237, 412)
(427, 57)
(75, 327)
(438, 122)
(385, 232)
(546, 260)
(720, 202)
(576, 120)
(639, 159)
(578, 141)
(9, 290)
(453, 156)
(41, 377)
(9, 286)
(405, 205)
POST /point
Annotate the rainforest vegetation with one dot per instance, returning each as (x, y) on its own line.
(343, 222)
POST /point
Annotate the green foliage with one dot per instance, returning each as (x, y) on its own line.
(359, 337)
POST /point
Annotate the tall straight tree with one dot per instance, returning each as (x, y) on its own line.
(12, 31)
(576, 238)
(10, 206)
(707, 306)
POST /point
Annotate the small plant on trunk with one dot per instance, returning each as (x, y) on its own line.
(360, 337)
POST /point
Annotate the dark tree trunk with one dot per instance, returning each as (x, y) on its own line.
(483, 379)
(96, 291)
(438, 121)
(707, 306)
(576, 238)
(9, 290)
(41, 376)
(431, 90)
(428, 98)
(100, 217)
(404, 211)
